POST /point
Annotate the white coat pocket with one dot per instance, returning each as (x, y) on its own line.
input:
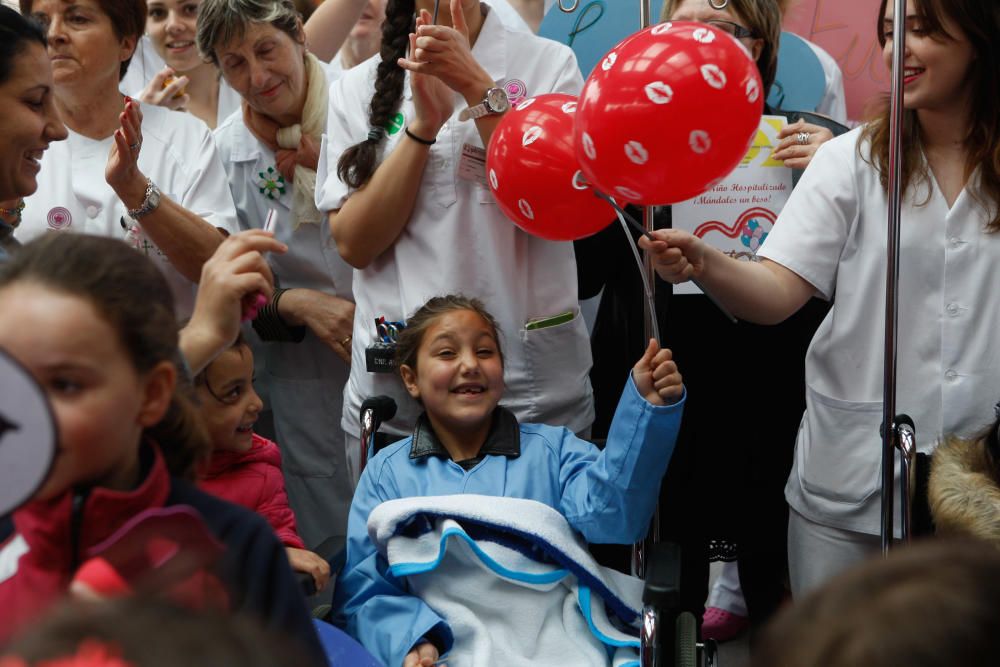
(839, 455)
(557, 369)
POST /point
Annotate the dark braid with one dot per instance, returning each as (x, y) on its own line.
(357, 164)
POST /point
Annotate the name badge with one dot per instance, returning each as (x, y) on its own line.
(472, 165)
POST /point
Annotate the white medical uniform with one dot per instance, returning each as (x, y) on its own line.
(832, 233)
(178, 154)
(457, 240)
(304, 381)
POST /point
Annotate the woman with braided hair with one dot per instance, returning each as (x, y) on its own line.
(402, 179)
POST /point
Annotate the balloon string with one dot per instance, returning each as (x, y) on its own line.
(650, 301)
(627, 220)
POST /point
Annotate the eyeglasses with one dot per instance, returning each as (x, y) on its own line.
(734, 29)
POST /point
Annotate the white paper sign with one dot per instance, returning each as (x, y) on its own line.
(737, 214)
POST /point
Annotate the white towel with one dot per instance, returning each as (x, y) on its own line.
(512, 579)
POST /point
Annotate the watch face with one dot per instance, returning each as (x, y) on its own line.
(496, 100)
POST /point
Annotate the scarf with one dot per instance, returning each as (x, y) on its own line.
(296, 148)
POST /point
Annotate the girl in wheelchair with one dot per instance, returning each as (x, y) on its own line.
(465, 442)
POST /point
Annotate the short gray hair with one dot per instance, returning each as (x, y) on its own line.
(220, 21)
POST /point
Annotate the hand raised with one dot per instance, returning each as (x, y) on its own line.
(433, 100)
(171, 95)
(122, 171)
(656, 376)
(445, 53)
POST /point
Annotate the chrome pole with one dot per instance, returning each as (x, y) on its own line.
(638, 549)
(890, 427)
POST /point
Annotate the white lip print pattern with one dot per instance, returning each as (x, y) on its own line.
(659, 92)
(493, 180)
(610, 61)
(636, 153)
(531, 135)
(525, 208)
(627, 193)
(703, 35)
(588, 146)
(700, 142)
(753, 90)
(579, 181)
(569, 107)
(661, 28)
(714, 76)
(525, 104)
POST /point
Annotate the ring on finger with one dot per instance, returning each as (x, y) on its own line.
(347, 341)
(803, 138)
(136, 146)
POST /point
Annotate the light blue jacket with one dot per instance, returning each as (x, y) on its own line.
(607, 495)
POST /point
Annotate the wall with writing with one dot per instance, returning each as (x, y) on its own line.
(845, 28)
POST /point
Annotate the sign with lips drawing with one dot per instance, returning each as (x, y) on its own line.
(737, 214)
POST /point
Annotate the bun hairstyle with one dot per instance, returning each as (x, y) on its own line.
(357, 164)
(409, 339)
(133, 297)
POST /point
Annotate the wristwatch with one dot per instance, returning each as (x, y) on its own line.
(149, 203)
(496, 101)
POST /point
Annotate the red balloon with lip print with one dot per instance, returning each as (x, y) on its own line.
(533, 173)
(667, 113)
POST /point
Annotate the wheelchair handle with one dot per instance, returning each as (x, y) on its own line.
(374, 411)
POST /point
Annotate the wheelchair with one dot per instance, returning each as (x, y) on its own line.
(668, 635)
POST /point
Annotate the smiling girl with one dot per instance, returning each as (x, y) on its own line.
(451, 363)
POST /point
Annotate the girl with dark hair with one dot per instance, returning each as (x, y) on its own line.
(451, 362)
(29, 122)
(95, 327)
(830, 240)
(402, 178)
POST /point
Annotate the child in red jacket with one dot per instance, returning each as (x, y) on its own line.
(245, 468)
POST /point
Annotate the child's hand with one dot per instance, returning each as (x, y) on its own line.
(310, 563)
(656, 376)
(421, 655)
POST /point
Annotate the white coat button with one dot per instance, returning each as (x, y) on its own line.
(92, 212)
(951, 374)
(954, 241)
(952, 309)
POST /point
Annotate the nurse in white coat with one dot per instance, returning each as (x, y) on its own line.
(269, 149)
(425, 224)
(154, 181)
(185, 82)
(830, 240)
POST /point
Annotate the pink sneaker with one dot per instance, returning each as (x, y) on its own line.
(722, 625)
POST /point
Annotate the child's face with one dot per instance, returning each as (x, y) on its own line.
(459, 373)
(101, 403)
(231, 412)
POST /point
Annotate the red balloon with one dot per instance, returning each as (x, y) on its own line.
(667, 113)
(534, 176)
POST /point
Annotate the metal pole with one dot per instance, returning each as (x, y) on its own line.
(890, 427)
(639, 550)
